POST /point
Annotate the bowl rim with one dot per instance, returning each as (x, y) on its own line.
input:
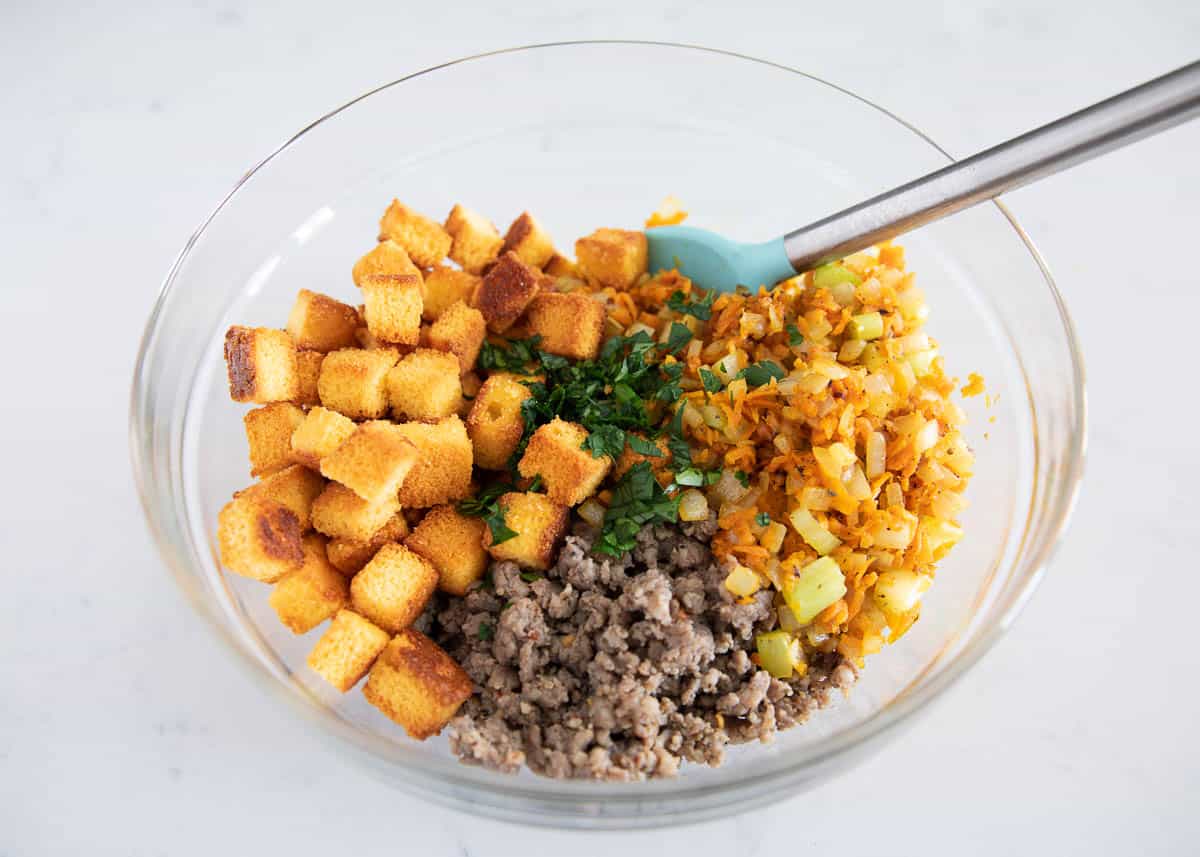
(775, 782)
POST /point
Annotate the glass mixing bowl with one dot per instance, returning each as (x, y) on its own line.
(585, 135)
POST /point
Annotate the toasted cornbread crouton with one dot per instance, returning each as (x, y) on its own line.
(349, 555)
(393, 587)
(259, 538)
(476, 241)
(261, 363)
(372, 462)
(317, 322)
(393, 307)
(460, 330)
(425, 241)
(495, 423)
(561, 266)
(628, 458)
(539, 523)
(612, 257)
(308, 374)
(269, 433)
(306, 597)
(385, 259)
(443, 471)
(425, 385)
(321, 432)
(505, 292)
(570, 325)
(295, 488)
(569, 472)
(453, 544)
(347, 649)
(444, 287)
(342, 514)
(416, 684)
(354, 382)
(528, 240)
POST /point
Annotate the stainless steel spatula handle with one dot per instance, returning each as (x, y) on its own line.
(1122, 119)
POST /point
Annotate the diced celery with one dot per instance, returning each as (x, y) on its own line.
(869, 325)
(897, 591)
(742, 582)
(813, 588)
(810, 529)
(778, 653)
(828, 276)
(872, 357)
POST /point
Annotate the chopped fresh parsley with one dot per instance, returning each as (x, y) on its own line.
(743, 477)
(536, 484)
(794, 336)
(486, 505)
(530, 576)
(642, 446)
(701, 309)
(761, 373)
(486, 632)
(605, 440)
(681, 453)
(762, 519)
(516, 356)
(712, 384)
(678, 337)
(637, 500)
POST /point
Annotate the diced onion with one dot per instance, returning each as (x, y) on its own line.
(815, 498)
(592, 511)
(926, 438)
(876, 454)
(693, 506)
(772, 537)
(897, 591)
(851, 350)
(729, 489)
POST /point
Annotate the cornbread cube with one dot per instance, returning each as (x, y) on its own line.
(321, 432)
(443, 470)
(568, 471)
(259, 538)
(416, 684)
(425, 385)
(561, 266)
(444, 287)
(319, 323)
(426, 242)
(612, 257)
(539, 523)
(495, 423)
(385, 259)
(350, 555)
(393, 587)
(394, 303)
(453, 544)
(570, 325)
(261, 363)
(372, 462)
(528, 240)
(308, 373)
(459, 330)
(628, 458)
(354, 382)
(269, 433)
(306, 597)
(347, 649)
(342, 514)
(505, 291)
(476, 241)
(295, 488)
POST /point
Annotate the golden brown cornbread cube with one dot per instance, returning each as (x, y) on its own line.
(261, 363)
(318, 322)
(460, 330)
(453, 544)
(393, 588)
(539, 523)
(308, 374)
(321, 432)
(476, 241)
(269, 434)
(341, 514)
(259, 538)
(495, 424)
(425, 385)
(505, 291)
(393, 307)
(306, 597)
(444, 287)
(385, 259)
(612, 257)
(347, 649)
(372, 462)
(425, 241)
(628, 458)
(570, 325)
(528, 240)
(443, 471)
(569, 472)
(349, 555)
(354, 382)
(561, 266)
(416, 684)
(295, 488)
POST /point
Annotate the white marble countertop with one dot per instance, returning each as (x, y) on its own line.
(121, 732)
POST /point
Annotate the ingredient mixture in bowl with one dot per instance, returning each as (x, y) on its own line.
(587, 518)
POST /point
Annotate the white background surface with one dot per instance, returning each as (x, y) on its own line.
(122, 730)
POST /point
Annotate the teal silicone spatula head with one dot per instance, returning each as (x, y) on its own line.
(714, 261)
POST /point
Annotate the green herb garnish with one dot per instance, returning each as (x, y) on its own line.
(694, 477)
(762, 519)
(486, 632)
(701, 309)
(712, 384)
(486, 505)
(530, 576)
(678, 337)
(743, 477)
(758, 374)
(637, 500)
(794, 336)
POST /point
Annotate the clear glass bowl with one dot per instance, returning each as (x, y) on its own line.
(589, 134)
